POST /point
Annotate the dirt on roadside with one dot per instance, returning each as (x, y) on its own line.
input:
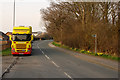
(6, 61)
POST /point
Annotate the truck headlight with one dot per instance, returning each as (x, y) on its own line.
(28, 50)
(13, 50)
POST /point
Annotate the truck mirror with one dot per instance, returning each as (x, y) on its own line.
(31, 37)
(10, 38)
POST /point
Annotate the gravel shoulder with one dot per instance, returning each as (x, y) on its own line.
(6, 61)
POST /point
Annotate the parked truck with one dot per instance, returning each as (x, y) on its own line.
(21, 40)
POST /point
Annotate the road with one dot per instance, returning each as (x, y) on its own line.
(0, 65)
(48, 62)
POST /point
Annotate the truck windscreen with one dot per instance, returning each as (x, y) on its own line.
(21, 37)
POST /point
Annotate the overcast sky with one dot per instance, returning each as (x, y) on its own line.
(27, 13)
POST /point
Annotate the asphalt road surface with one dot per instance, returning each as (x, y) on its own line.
(48, 62)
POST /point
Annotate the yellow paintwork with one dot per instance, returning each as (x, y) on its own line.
(22, 30)
(19, 42)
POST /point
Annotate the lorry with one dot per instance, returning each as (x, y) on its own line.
(21, 40)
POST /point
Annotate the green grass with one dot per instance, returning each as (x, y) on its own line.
(111, 57)
(86, 52)
(56, 44)
(6, 52)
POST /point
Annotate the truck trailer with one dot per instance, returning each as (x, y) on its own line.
(21, 40)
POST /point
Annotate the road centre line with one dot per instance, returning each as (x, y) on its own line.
(55, 64)
(68, 75)
(40, 49)
(47, 57)
(62, 70)
(43, 52)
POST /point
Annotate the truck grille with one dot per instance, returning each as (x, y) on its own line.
(20, 51)
(20, 46)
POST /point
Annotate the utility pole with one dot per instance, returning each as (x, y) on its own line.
(119, 14)
(14, 15)
(118, 27)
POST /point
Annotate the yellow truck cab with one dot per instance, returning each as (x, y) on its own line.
(21, 40)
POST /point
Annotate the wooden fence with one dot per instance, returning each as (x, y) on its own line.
(4, 45)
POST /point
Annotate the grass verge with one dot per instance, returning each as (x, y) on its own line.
(6, 52)
(87, 52)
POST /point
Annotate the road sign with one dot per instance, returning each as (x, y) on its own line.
(94, 35)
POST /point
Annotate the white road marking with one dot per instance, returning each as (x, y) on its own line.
(55, 64)
(43, 52)
(40, 50)
(47, 57)
(38, 46)
(68, 75)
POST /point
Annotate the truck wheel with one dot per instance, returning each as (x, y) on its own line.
(14, 55)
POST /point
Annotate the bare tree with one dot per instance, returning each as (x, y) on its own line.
(74, 23)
